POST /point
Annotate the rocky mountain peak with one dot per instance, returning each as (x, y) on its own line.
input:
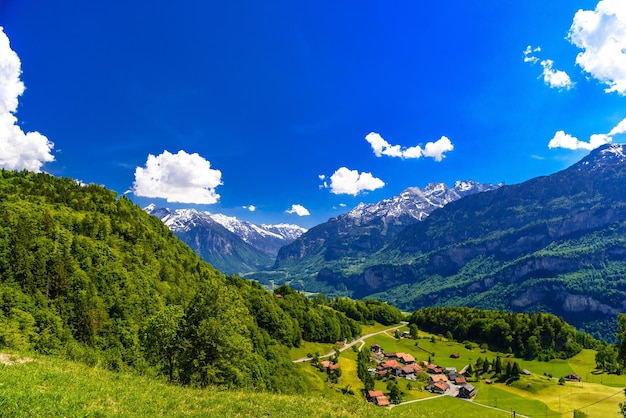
(266, 238)
(602, 158)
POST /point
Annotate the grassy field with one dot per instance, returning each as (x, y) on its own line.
(307, 348)
(453, 407)
(46, 387)
(537, 395)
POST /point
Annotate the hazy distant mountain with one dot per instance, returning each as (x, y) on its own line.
(368, 227)
(228, 243)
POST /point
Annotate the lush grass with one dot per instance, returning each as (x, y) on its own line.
(451, 407)
(583, 363)
(592, 398)
(307, 348)
(497, 395)
(370, 329)
(49, 387)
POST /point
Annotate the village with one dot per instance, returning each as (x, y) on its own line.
(397, 365)
(423, 375)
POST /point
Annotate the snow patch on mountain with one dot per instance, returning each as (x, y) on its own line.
(603, 157)
(267, 238)
(415, 202)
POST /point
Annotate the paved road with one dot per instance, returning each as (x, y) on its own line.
(449, 393)
(360, 340)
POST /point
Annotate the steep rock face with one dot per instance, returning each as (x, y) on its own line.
(368, 227)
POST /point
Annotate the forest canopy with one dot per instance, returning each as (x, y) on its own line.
(527, 335)
(89, 275)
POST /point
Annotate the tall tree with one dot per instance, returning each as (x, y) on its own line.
(162, 339)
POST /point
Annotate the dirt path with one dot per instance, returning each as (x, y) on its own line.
(11, 359)
(360, 340)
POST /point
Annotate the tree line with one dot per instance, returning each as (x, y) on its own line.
(527, 335)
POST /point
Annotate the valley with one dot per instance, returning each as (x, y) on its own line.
(94, 283)
(46, 386)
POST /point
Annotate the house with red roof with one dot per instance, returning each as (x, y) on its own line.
(377, 397)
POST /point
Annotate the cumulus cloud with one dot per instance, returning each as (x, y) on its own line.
(601, 34)
(556, 79)
(620, 128)
(298, 210)
(251, 208)
(434, 150)
(18, 150)
(346, 181)
(529, 54)
(567, 141)
(181, 177)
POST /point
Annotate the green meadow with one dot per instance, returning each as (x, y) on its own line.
(536, 395)
(40, 386)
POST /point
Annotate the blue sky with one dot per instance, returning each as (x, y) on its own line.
(286, 111)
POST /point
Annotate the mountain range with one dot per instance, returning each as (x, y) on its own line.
(554, 243)
(368, 227)
(229, 244)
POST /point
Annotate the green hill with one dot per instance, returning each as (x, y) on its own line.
(89, 275)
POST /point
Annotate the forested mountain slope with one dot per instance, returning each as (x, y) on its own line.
(348, 239)
(555, 244)
(91, 276)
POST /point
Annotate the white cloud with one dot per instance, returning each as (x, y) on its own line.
(251, 208)
(432, 149)
(298, 210)
(436, 149)
(382, 147)
(563, 140)
(18, 150)
(528, 54)
(345, 181)
(555, 78)
(182, 177)
(567, 141)
(620, 128)
(601, 34)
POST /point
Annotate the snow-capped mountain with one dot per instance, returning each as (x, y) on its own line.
(602, 158)
(368, 227)
(267, 238)
(415, 202)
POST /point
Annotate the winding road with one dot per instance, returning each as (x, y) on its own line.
(360, 340)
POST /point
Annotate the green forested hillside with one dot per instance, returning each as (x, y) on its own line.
(90, 276)
(530, 336)
(551, 244)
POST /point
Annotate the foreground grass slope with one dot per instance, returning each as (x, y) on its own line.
(46, 387)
